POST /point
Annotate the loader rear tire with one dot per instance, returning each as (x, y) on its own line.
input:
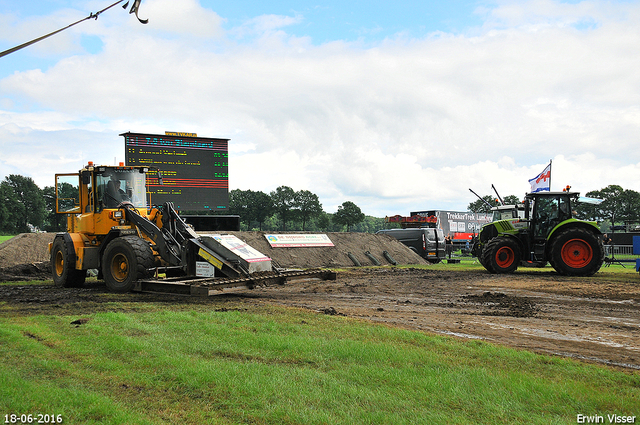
(501, 255)
(63, 263)
(125, 260)
(577, 252)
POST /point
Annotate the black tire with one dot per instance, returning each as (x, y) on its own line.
(480, 258)
(576, 252)
(124, 261)
(501, 255)
(63, 262)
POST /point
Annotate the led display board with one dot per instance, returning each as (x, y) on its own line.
(195, 175)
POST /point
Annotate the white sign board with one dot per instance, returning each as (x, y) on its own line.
(204, 269)
(240, 248)
(298, 241)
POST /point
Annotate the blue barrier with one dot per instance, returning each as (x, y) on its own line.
(636, 250)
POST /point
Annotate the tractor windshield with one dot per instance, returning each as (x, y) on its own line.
(508, 212)
(118, 185)
(549, 212)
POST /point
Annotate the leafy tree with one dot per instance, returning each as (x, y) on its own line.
(26, 206)
(284, 200)
(324, 221)
(7, 212)
(250, 206)
(630, 206)
(618, 205)
(372, 224)
(479, 206)
(612, 202)
(512, 200)
(239, 205)
(308, 206)
(348, 214)
(260, 207)
(54, 222)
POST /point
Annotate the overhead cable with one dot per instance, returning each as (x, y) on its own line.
(134, 9)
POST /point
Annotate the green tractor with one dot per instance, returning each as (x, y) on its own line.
(547, 233)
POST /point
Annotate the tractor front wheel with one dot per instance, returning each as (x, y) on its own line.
(63, 263)
(125, 260)
(501, 255)
(577, 252)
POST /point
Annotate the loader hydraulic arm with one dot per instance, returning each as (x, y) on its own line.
(165, 243)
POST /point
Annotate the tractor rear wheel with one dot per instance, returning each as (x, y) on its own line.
(576, 252)
(501, 255)
(63, 263)
(125, 260)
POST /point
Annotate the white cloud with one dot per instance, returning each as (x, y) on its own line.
(401, 126)
(186, 17)
(265, 25)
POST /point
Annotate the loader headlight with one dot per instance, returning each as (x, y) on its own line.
(117, 214)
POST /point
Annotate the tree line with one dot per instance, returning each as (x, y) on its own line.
(24, 207)
(285, 209)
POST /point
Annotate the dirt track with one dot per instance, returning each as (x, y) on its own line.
(585, 318)
(593, 319)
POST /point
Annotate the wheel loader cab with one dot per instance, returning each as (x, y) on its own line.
(118, 185)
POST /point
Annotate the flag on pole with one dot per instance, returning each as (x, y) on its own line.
(542, 181)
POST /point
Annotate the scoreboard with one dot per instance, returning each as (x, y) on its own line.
(195, 170)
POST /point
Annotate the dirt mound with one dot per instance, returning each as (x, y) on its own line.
(336, 256)
(25, 248)
(21, 255)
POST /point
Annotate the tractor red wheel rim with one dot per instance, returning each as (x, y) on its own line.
(505, 257)
(576, 253)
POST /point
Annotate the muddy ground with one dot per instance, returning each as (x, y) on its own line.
(593, 319)
(590, 319)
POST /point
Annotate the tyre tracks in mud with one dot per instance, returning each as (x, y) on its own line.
(590, 319)
(593, 319)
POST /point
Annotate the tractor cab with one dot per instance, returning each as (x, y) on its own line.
(506, 212)
(547, 211)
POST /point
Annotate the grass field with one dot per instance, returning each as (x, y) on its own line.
(158, 364)
(5, 238)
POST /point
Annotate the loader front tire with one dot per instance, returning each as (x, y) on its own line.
(125, 260)
(63, 263)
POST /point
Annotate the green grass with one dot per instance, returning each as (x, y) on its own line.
(269, 365)
(5, 238)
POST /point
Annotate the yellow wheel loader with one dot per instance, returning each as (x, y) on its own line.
(112, 227)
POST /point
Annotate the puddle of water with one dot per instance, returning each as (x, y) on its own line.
(561, 337)
(458, 334)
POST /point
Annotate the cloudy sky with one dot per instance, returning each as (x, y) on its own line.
(397, 106)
